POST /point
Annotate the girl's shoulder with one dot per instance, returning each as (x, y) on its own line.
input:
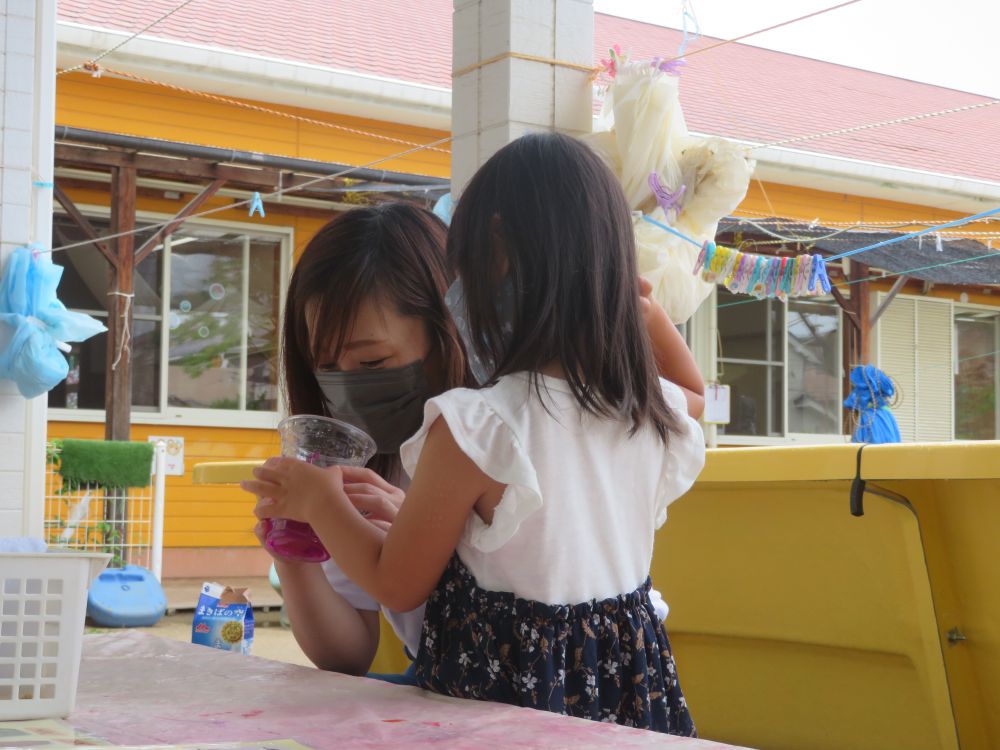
(685, 455)
(473, 416)
(674, 396)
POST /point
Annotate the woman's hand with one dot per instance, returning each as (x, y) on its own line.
(374, 497)
(292, 489)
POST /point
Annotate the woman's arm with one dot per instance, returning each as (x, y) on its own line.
(674, 360)
(331, 632)
(401, 568)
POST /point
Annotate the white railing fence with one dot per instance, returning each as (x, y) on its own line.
(127, 523)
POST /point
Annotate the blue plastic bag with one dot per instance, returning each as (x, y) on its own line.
(871, 391)
(35, 325)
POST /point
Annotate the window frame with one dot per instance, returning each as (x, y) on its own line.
(959, 307)
(787, 437)
(168, 415)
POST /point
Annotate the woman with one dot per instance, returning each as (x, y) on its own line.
(375, 367)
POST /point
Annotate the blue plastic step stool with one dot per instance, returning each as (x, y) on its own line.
(128, 597)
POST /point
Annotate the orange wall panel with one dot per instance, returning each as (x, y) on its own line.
(120, 106)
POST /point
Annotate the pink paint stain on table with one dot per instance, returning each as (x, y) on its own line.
(136, 689)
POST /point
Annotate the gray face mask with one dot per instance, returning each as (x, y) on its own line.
(481, 366)
(388, 404)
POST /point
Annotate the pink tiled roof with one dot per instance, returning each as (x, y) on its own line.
(736, 90)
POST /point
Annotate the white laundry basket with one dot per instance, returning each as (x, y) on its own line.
(43, 605)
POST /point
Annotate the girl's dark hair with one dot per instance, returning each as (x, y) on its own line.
(392, 251)
(548, 205)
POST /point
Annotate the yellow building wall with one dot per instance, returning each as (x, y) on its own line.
(119, 106)
(220, 516)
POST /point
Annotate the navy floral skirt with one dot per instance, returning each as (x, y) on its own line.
(607, 661)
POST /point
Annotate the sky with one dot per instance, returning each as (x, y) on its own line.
(949, 43)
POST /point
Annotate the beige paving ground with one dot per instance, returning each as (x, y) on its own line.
(271, 641)
(182, 593)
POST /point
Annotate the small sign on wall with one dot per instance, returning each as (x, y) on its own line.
(175, 454)
(717, 404)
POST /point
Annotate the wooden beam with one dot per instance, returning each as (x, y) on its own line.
(164, 167)
(193, 205)
(896, 289)
(846, 305)
(81, 222)
(284, 209)
(173, 168)
(118, 376)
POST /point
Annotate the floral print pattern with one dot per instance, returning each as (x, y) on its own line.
(603, 660)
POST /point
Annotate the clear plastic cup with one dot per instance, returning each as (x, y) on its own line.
(324, 442)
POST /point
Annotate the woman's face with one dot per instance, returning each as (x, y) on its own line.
(379, 337)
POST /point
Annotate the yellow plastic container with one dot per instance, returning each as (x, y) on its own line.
(799, 626)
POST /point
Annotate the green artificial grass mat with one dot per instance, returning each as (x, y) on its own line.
(105, 463)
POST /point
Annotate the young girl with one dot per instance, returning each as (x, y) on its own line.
(529, 523)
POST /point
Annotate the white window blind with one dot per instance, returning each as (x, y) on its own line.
(915, 345)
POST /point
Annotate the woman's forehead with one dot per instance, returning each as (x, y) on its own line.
(374, 320)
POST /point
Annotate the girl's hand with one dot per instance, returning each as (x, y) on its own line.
(674, 360)
(375, 498)
(292, 489)
(651, 309)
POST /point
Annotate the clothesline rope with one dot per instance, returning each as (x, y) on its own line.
(530, 58)
(125, 330)
(764, 217)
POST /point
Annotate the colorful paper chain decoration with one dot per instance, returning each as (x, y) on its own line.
(763, 275)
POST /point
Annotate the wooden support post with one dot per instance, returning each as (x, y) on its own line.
(861, 301)
(118, 381)
(190, 208)
(857, 334)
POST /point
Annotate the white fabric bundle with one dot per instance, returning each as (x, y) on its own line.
(716, 174)
(642, 132)
(667, 262)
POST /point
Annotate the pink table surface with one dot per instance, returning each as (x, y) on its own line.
(137, 689)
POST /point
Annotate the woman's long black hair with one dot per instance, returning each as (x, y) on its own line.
(548, 206)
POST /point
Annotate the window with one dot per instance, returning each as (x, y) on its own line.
(782, 362)
(977, 339)
(814, 367)
(915, 344)
(205, 322)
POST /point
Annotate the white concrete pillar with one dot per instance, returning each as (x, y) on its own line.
(500, 97)
(27, 100)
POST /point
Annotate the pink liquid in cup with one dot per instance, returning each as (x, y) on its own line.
(324, 442)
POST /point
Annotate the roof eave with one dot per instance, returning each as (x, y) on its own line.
(242, 75)
(837, 174)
